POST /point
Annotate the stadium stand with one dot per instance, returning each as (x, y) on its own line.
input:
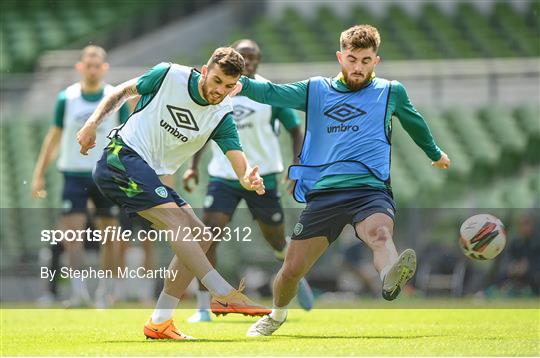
(486, 144)
(431, 34)
(31, 27)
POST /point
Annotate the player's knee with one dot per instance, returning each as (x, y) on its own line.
(379, 237)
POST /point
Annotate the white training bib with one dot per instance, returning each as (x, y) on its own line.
(259, 140)
(77, 110)
(172, 126)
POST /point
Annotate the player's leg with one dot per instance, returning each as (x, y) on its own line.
(376, 231)
(220, 204)
(320, 224)
(268, 212)
(111, 257)
(216, 221)
(166, 216)
(74, 202)
(301, 255)
(126, 179)
(76, 258)
(374, 224)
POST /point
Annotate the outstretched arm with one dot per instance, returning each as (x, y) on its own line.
(249, 177)
(415, 125)
(290, 95)
(192, 172)
(112, 102)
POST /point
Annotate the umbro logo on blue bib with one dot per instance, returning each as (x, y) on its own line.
(344, 112)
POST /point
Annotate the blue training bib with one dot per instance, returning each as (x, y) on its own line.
(345, 134)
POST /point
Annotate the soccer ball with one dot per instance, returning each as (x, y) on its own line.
(482, 237)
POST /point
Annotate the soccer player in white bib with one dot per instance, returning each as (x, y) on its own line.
(74, 106)
(258, 126)
(180, 109)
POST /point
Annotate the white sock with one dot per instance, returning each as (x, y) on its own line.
(279, 313)
(203, 300)
(384, 271)
(216, 284)
(165, 306)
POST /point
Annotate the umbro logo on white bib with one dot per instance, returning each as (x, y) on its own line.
(183, 118)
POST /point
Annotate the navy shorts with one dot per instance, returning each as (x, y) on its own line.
(328, 211)
(223, 198)
(77, 190)
(126, 179)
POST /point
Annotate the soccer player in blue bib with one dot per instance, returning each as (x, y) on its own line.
(258, 126)
(179, 110)
(344, 169)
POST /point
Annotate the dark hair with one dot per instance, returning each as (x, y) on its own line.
(360, 37)
(246, 43)
(229, 60)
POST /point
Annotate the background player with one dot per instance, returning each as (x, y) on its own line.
(344, 171)
(74, 105)
(179, 110)
(258, 131)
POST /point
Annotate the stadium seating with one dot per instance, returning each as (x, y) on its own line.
(33, 26)
(499, 141)
(431, 34)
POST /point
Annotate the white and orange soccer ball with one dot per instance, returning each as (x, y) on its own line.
(482, 237)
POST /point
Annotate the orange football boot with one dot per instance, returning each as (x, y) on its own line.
(237, 302)
(165, 330)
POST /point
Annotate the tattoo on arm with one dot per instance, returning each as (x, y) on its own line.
(115, 100)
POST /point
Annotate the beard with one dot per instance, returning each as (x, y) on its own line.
(209, 96)
(355, 83)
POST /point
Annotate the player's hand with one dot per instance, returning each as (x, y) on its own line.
(87, 137)
(190, 174)
(237, 89)
(443, 162)
(254, 181)
(38, 188)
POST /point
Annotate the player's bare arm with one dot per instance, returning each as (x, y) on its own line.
(87, 135)
(48, 151)
(249, 177)
(192, 172)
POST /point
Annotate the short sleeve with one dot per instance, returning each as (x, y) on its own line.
(60, 109)
(123, 113)
(151, 80)
(226, 135)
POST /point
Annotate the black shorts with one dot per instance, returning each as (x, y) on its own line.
(126, 179)
(328, 211)
(223, 198)
(76, 192)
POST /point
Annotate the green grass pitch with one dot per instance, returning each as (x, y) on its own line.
(413, 332)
